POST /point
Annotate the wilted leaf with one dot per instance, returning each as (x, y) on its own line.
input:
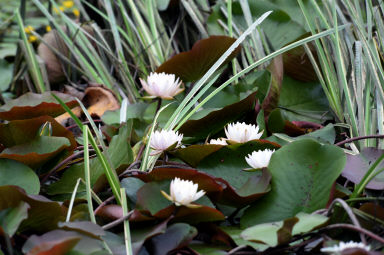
(97, 99)
(31, 105)
(18, 174)
(303, 173)
(358, 165)
(193, 64)
(53, 64)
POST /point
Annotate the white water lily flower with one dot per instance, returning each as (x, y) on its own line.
(165, 140)
(162, 85)
(219, 141)
(259, 159)
(183, 192)
(241, 132)
(338, 248)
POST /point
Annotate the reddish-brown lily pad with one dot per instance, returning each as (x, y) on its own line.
(192, 65)
(43, 214)
(22, 142)
(151, 205)
(358, 165)
(298, 65)
(31, 105)
(216, 120)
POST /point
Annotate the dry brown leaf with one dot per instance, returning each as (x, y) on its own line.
(97, 99)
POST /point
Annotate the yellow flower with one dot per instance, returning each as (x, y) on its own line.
(61, 9)
(76, 12)
(29, 29)
(32, 38)
(68, 4)
(48, 28)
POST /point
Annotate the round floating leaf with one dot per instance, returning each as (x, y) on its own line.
(11, 218)
(62, 242)
(304, 101)
(358, 165)
(139, 236)
(193, 64)
(22, 131)
(38, 151)
(303, 173)
(298, 65)
(280, 232)
(18, 174)
(176, 236)
(227, 166)
(43, 214)
(193, 154)
(216, 120)
(151, 204)
(32, 105)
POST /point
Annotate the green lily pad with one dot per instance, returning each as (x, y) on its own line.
(18, 174)
(303, 173)
(280, 232)
(286, 16)
(11, 218)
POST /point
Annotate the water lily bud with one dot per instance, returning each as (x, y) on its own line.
(165, 140)
(259, 159)
(162, 85)
(183, 192)
(242, 133)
